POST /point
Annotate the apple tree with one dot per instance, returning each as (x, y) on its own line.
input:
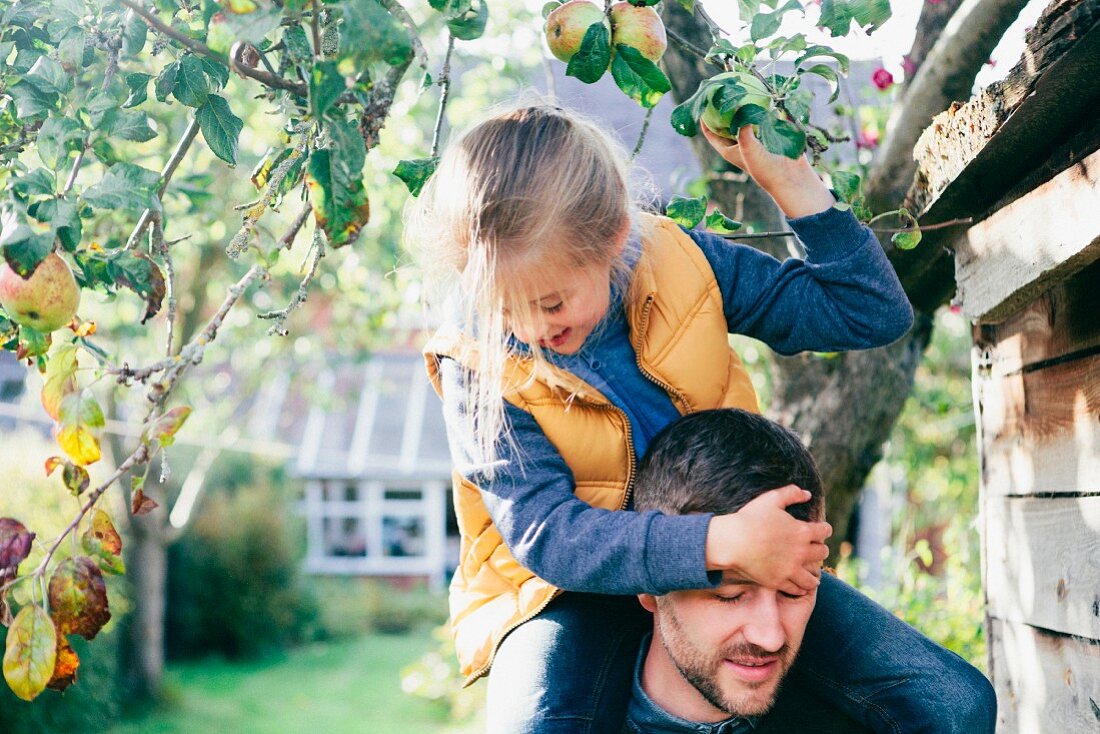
(90, 162)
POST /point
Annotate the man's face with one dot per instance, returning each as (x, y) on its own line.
(733, 644)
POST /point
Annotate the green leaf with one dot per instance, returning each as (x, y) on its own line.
(685, 116)
(450, 8)
(870, 14)
(24, 255)
(125, 186)
(255, 26)
(191, 87)
(799, 103)
(550, 7)
(71, 52)
(781, 137)
(63, 218)
(39, 181)
(592, 58)
(218, 74)
(415, 173)
(836, 15)
(30, 652)
(132, 125)
(843, 62)
(370, 34)
(638, 77)
(78, 597)
(134, 34)
(847, 185)
(829, 74)
(166, 81)
(686, 212)
(138, 84)
(720, 223)
(164, 428)
(688, 5)
(326, 84)
(470, 25)
(30, 101)
(49, 76)
(298, 48)
(335, 181)
(220, 128)
(765, 24)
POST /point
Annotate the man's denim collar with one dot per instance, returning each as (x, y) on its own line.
(647, 717)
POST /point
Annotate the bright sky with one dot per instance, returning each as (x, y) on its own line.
(895, 37)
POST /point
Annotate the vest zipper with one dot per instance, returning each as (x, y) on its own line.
(558, 592)
(676, 394)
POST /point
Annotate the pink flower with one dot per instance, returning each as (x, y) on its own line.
(882, 79)
(868, 138)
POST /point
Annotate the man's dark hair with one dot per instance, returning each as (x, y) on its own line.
(720, 460)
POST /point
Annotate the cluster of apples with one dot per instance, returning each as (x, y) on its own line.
(630, 25)
(44, 301)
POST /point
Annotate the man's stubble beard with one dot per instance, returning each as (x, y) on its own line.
(701, 670)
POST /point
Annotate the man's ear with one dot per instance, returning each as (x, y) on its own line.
(648, 602)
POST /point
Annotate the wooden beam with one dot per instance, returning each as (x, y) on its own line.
(1027, 128)
(1046, 683)
(1010, 258)
(1042, 562)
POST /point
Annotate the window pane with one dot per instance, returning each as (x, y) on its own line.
(344, 536)
(403, 536)
(404, 494)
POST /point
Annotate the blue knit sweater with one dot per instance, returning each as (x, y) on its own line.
(843, 296)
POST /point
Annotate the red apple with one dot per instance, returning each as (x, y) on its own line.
(640, 28)
(567, 24)
(45, 301)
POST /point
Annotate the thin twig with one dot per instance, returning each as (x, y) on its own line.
(315, 29)
(280, 317)
(240, 240)
(76, 168)
(287, 240)
(165, 176)
(157, 245)
(271, 80)
(445, 93)
(688, 45)
(642, 134)
(923, 228)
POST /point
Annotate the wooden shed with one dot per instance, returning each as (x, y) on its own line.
(1023, 158)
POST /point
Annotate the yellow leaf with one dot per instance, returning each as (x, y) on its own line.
(79, 443)
(31, 652)
(60, 379)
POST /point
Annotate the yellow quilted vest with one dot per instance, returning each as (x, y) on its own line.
(678, 329)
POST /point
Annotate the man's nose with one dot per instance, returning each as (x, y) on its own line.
(764, 628)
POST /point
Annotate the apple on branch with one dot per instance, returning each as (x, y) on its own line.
(44, 301)
(567, 24)
(638, 27)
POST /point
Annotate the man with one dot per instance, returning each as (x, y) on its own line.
(722, 660)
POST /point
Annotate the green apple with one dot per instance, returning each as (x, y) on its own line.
(567, 24)
(45, 301)
(727, 123)
(640, 28)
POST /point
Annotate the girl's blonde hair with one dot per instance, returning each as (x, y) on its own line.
(530, 187)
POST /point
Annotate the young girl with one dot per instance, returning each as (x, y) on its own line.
(576, 328)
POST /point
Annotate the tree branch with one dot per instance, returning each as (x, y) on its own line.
(271, 80)
(444, 95)
(165, 176)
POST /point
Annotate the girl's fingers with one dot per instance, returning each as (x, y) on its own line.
(726, 147)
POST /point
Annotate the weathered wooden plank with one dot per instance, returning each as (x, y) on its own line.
(1063, 322)
(1058, 402)
(1008, 259)
(1052, 126)
(1042, 562)
(995, 137)
(1020, 466)
(1046, 683)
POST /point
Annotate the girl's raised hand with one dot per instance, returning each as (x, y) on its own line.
(764, 543)
(790, 181)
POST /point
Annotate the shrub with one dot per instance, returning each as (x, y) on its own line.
(234, 586)
(350, 606)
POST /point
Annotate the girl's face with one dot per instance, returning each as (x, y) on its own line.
(563, 306)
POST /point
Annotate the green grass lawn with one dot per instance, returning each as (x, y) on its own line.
(342, 687)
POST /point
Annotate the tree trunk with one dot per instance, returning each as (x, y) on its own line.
(147, 570)
(844, 406)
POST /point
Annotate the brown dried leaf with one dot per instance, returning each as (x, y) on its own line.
(78, 598)
(102, 543)
(52, 463)
(140, 504)
(64, 670)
